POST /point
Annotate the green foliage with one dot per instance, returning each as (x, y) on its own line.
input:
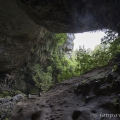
(42, 79)
(109, 37)
(115, 47)
(1, 96)
(115, 67)
(46, 75)
(68, 67)
(18, 92)
(84, 60)
(60, 38)
(5, 93)
(38, 71)
(48, 63)
(100, 56)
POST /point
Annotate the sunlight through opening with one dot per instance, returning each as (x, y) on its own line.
(88, 39)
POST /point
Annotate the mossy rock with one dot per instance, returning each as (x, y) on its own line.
(115, 68)
(5, 93)
(1, 96)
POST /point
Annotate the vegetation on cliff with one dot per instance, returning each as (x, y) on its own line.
(48, 63)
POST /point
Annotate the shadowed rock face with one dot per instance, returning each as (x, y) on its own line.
(17, 35)
(73, 15)
(20, 20)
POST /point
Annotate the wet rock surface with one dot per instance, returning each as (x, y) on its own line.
(74, 99)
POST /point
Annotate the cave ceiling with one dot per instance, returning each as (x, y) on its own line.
(22, 22)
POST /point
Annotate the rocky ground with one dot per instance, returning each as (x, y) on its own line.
(92, 96)
(7, 104)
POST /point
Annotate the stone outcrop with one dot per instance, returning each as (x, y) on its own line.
(92, 96)
(20, 20)
(69, 43)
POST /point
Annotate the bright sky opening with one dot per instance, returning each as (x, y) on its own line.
(88, 39)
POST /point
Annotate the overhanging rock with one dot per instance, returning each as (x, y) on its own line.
(73, 15)
(20, 20)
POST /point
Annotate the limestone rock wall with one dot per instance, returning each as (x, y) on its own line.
(20, 20)
(17, 35)
(73, 15)
(69, 43)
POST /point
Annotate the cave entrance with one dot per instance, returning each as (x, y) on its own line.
(88, 39)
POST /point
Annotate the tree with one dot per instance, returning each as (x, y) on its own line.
(41, 78)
